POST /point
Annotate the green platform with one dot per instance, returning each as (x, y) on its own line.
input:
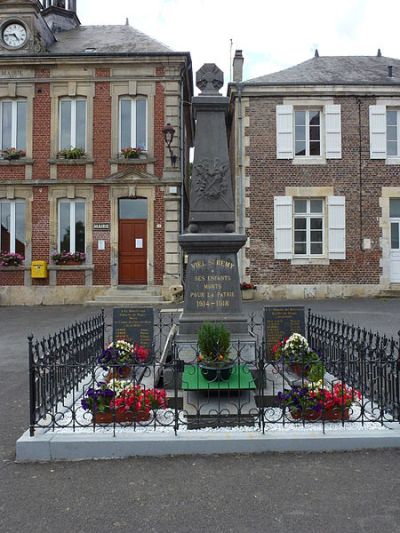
(241, 378)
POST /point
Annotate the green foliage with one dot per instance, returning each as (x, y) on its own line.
(316, 372)
(214, 342)
(72, 153)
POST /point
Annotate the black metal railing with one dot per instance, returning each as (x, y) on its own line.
(64, 370)
(366, 361)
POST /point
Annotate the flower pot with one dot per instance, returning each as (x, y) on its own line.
(217, 373)
(69, 262)
(332, 415)
(119, 372)
(121, 417)
(248, 294)
(299, 369)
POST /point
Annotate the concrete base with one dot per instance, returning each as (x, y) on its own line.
(79, 447)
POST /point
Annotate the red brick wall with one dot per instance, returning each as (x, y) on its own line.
(269, 177)
(40, 228)
(159, 237)
(159, 123)
(14, 277)
(71, 172)
(132, 168)
(101, 259)
(12, 172)
(70, 277)
(41, 127)
(102, 126)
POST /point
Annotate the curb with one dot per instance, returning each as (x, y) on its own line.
(79, 447)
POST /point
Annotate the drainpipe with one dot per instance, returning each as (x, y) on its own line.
(182, 164)
(240, 177)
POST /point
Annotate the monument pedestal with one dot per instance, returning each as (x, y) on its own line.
(212, 291)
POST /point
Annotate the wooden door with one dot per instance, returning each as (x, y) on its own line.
(133, 252)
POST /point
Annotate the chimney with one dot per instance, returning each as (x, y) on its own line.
(390, 71)
(238, 61)
(379, 54)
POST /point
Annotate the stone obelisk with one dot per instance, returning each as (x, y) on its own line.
(212, 287)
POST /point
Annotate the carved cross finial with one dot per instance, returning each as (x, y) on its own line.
(209, 79)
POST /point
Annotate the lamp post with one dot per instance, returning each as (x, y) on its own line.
(169, 132)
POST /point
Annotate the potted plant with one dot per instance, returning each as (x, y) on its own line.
(72, 153)
(67, 258)
(12, 154)
(214, 347)
(247, 290)
(295, 352)
(317, 402)
(131, 153)
(122, 401)
(8, 259)
(119, 357)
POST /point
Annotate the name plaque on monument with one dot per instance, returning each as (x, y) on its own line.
(134, 325)
(212, 283)
(281, 322)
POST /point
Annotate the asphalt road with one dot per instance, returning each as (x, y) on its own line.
(324, 493)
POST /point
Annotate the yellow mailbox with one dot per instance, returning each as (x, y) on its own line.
(39, 269)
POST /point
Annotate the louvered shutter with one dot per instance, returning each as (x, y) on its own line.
(283, 231)
(284, 131)
(377, 131)
(337, 227)
(333, 132)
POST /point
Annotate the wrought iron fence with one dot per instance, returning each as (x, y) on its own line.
(170, 391)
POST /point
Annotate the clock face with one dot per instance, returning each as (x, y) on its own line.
(14, 35)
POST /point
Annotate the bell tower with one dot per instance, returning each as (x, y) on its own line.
(60, 15)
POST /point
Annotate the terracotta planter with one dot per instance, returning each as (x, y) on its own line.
(122, 372)
(299, 369)
(328, 415)
(126, 417)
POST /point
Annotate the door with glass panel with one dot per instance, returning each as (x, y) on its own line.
(395, 240)
(132, 263)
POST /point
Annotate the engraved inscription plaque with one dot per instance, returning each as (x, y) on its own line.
(281, 322)
(135, 325)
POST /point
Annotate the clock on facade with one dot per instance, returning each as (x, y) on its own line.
(14, 34)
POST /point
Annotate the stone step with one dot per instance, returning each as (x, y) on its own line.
(129, 303)
(389, 293)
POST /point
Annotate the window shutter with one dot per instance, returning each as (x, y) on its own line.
(283, 234)
(377, 131)
(284, 131)
(337, 227)
(333, 132)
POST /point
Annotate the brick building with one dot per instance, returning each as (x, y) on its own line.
(316, 151)
(97, 89)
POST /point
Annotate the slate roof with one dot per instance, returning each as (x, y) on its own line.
(335, 70)
(107, 40)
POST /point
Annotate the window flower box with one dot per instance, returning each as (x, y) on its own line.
(247, 290)
(66, 258)
(72, 153)
(8, 259)
(132, 153)
(12, 154)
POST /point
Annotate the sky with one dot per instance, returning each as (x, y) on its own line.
(273, 35)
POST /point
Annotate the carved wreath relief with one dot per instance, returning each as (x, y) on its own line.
(211, 183)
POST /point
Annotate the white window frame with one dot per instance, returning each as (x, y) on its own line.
(307, 111)
(133, 101)
(14, 121)
(72, 237)
(397, 111)
(73, 122)
(12, 204)
(308, 216)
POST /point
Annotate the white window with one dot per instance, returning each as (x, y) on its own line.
(309, 227)
(72, 123)
(133, 123)
(303, 133)
(307, 136)
(71, 226)
(384, 134)
(392, 133)
(13, 124)
(12, 220)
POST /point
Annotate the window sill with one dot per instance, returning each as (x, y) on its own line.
(20, 268)
(309, 261)
(16, 162)
(392, 161)
(309, 161)
(71, 162)
(71, 267)
(132, 161)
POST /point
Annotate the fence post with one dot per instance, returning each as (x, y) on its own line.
(32, 395)
(103, 333)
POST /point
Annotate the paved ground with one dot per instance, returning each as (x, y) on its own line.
(353, 492)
